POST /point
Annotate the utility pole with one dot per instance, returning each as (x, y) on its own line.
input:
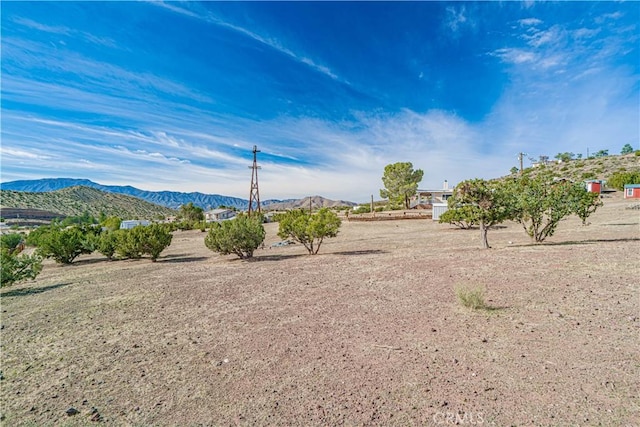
(254, 195)
(520, 156)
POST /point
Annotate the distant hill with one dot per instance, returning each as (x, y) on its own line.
(592, 168)
(74, 201)
(316, 202)
(170, 199)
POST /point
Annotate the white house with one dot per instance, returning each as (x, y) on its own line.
(129, 224)
(218, 215)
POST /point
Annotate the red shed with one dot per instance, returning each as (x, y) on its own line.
(632, 191)
(594, 186)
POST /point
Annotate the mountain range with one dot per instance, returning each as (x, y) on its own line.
(169, 199)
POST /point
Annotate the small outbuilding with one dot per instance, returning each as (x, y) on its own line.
(439, 209)
(594, 186)
(632, 191)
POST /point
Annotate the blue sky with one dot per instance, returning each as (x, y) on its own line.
(174, 95)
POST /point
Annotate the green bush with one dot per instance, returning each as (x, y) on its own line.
(155, 239)
(65, 245)
(461, 217)
(240, 236)
(107, 243)
(34, 236)
(310, 230)
(15, 268)
(140, 240)
(11, 242)
(472, 298)
(619, 179)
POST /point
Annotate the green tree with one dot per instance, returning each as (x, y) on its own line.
(619, 179)
(112, 222)
(542, 202)
(461, 216)
(15, 268)
(107, 243)
(601, 153)
(627, 149)
(190, 214)
(309, 229)
(565, 157)
(481, 202)
(514, 170)
(156, 239)
(12, 242)
(66, 244)
(129, 242)
(400, 182)
(240, 236)
(140, 240)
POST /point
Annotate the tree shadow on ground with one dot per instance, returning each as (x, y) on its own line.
(276, 257)
(83, 262)
(31, 291)
(581, 242)
(362, 252)
(175, 259)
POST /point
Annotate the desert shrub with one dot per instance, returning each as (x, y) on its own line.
(461, 217)
(637, 153)
(240, 236)
(34, 236)
(129, 243)
(472, 298)
(65, 245)
(112, 223)
(140, 240)
(362, 209)
(310, 230)
(107, 243)
(588, 175)
(11, 242)
(155, 239)
(619, 179)
(15, 268)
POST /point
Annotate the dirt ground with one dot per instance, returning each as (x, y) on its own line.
(368, 332)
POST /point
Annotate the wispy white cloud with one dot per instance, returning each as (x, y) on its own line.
(527, 22)
(58, 29)
(270, 42)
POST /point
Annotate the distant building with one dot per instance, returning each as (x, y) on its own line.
(129, 224)
(594, 186)
(426, 198)
(215, 215)
(632, 191)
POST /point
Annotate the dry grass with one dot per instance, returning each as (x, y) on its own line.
(367, 332)
(471, 297)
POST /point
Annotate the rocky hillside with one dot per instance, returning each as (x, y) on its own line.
(316, 202)
(77, 200)
(169, 199)
(593, 168)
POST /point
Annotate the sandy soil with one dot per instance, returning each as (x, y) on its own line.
(368, 332)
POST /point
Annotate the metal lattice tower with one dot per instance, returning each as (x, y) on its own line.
(254, 195)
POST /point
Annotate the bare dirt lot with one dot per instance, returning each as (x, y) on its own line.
(368, 332)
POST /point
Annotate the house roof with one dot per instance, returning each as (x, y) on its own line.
(632, 186)
(218, 211)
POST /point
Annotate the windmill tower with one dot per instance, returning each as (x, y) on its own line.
(254, 195)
